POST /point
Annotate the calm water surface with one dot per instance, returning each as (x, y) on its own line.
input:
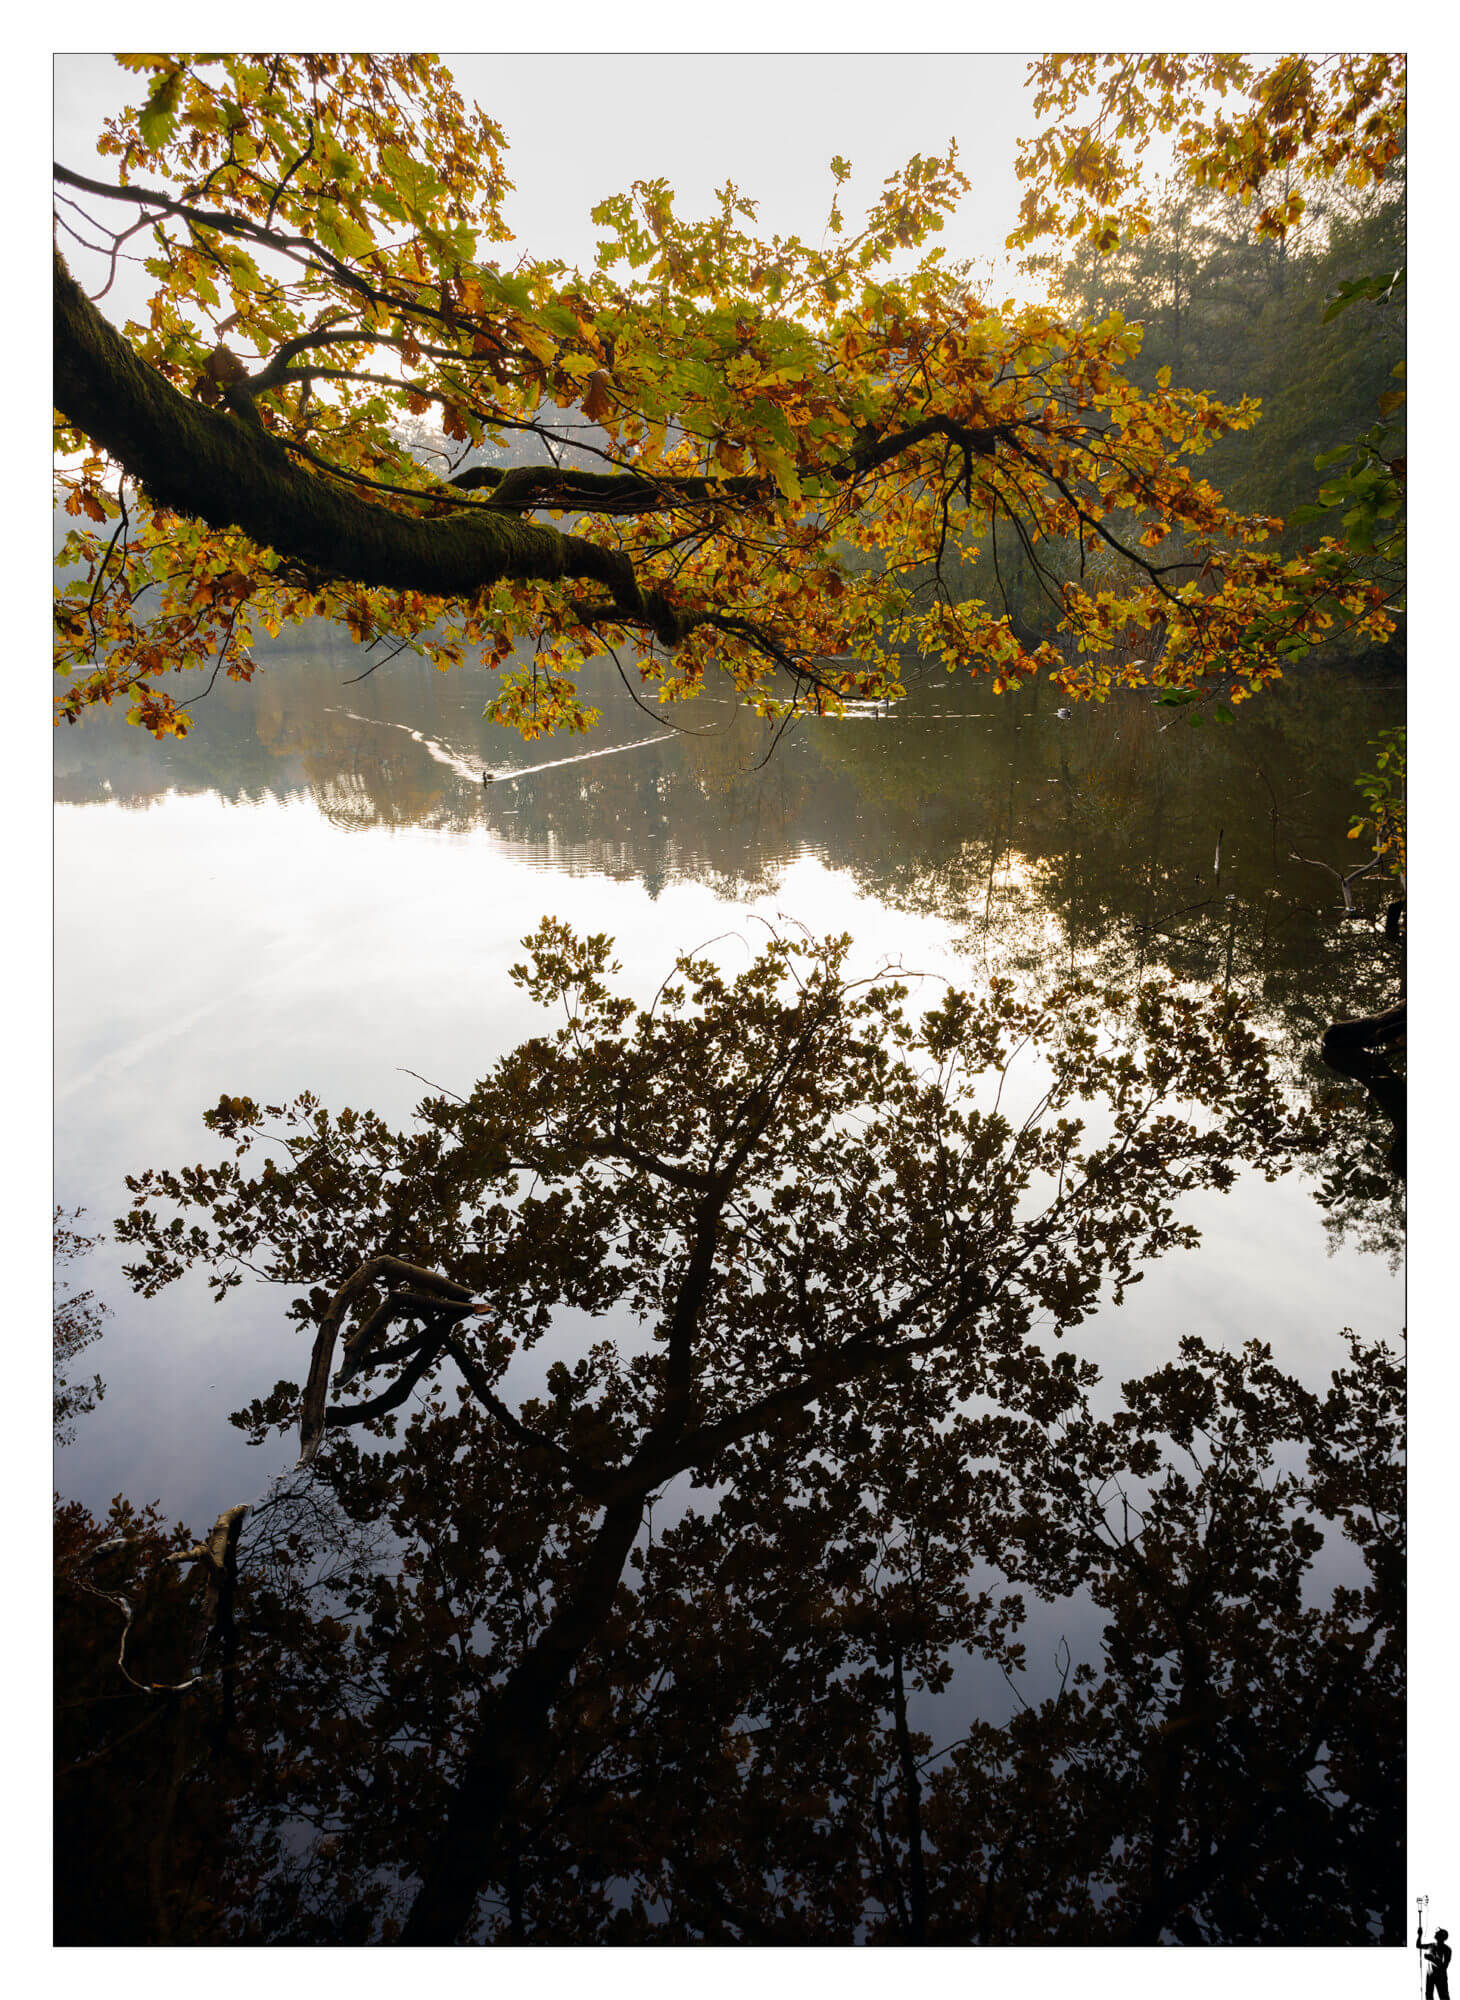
(317, 891)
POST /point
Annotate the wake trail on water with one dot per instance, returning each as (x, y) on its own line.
(473, 773)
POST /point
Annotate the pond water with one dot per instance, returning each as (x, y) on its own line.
(317, 890)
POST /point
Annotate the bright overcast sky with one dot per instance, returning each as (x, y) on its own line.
(582, 127)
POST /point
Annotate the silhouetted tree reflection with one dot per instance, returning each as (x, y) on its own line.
(142, 1811)
(76, 1321)
(1050, 848)
(636, 1658)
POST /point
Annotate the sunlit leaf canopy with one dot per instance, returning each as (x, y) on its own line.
(353, 398)
(1236, 119)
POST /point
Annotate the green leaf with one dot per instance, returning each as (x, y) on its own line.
(388, 201)
(785, 475)
(348, 236)
(159, 114)
(414, 181)
(516, 291)
(773, 420)
(1378, 285)
(559, 320)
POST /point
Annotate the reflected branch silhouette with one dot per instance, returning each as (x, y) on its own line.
(828, 1268)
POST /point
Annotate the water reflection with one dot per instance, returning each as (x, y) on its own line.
(331, 897)
(1112, 841)
(1128, 832)
(483, 1682)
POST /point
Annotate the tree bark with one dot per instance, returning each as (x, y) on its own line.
(227, 469)
(913, 1802)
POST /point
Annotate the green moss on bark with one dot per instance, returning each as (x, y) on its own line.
(209, 464)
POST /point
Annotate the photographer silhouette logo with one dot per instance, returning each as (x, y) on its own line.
(1434, 1956)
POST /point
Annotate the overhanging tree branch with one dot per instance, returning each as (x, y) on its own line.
(231, 473)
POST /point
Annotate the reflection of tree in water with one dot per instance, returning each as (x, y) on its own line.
(1051, 847)
(1120, 844)
(77, 1321)
(507, 1660)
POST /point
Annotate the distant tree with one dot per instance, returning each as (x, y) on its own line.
(1331, 124)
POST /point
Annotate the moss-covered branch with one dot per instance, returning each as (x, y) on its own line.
(218, 467)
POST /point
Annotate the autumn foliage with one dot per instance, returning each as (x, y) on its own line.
(715, 450)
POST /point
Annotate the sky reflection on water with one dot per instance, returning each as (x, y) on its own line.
(334, 898)
(319, 892)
